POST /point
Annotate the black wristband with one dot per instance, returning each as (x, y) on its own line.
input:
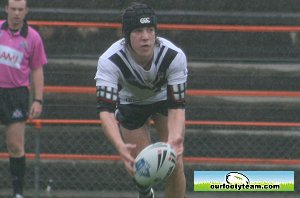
(39, 101)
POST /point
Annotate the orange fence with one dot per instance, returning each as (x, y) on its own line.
(39, 122)
(44, 156)
(191, 92)
(185, 27)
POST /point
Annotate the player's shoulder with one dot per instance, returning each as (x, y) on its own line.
(114, 48)
(33, 33)
(169, 44)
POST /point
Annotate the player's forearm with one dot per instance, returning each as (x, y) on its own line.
(111, 128)
(176, 125)
(38, 83)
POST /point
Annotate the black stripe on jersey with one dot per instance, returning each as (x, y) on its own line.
(159, 54)
(124, 55)
(117, 60)
(167, 60)
(165, 64)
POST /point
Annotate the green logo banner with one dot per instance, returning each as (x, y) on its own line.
(244, 181)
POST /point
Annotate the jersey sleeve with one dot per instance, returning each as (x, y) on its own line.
(177, 72)
(177, 80)
(38, 58)
(107, 86)
(107, 74)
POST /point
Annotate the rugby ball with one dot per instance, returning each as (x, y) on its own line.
(154, 164)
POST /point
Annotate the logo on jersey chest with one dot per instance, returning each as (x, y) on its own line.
(10, 57)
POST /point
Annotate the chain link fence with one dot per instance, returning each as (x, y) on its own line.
(76, 160)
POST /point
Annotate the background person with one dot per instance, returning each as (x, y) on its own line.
(21, 54)
(139, 77)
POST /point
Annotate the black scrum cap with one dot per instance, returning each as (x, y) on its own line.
(135, 16)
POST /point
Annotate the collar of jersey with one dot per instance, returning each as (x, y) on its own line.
(24, 29)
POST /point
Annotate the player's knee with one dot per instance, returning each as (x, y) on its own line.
(14, 149)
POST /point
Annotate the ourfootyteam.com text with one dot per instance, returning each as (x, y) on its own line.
(243, 186)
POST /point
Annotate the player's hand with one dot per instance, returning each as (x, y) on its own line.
(127, 158)
(35, 110)
(178, 147)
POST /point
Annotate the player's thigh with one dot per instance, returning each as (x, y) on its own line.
(140, 137)
(161, 126)
(15, 132)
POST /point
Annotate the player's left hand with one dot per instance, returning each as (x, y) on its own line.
(127, 158)
(35, 110)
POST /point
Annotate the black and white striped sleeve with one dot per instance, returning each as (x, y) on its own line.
(176, 96)
(107, 98)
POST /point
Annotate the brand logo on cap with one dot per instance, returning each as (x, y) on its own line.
(145, 20)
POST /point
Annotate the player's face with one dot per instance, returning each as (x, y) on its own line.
(16, 11)
(143, 41)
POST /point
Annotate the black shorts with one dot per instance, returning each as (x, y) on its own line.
(132, 116)
(14, 103)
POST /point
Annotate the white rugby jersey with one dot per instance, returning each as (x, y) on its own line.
(118, 71)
